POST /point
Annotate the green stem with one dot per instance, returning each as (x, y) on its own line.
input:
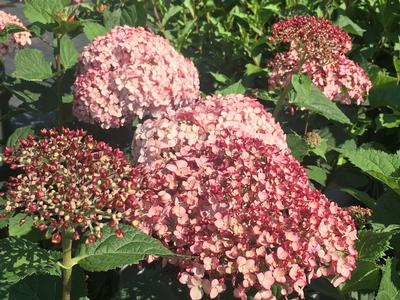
(59, 79)
(67, 262)
(287, 87)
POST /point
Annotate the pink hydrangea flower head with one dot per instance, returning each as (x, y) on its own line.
(245, 211)
(318, 37)
(17, 39)
(203, 122)
(341, 80)
(68, 181)
(129, 73)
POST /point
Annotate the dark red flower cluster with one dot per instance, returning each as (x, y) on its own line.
(318, 37)
(69, 182)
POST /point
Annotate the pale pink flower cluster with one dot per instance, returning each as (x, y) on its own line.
(17, 39)
(129, 73)
(245, 211)
(190, 126)
(321, 48)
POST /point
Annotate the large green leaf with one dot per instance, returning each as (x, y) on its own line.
(361, 196)
(372, 245)
(111, 252)
(387, 209)
(93, 30)
(348, 25)
(389, 288)
(42, 11)
(236, 88)
(366, 276)
(112, 18)
(15, 228)
(31, 65)
(21, 258)
(381, 165)
(134, 15)
(310, 97)
(68, 53)
(386, 95)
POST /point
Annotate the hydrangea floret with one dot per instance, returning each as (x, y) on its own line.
(203, 121)
(245, 211)
(17, 39)
(318, 49)
(68, 183)
(131, 73)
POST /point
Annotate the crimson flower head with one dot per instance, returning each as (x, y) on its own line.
(68, 182)
(318, 37)
(17, 39)
(245, 211)
(131, 73)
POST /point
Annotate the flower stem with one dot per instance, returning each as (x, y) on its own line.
(67, 262)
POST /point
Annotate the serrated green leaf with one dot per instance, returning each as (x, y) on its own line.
(366, 276)
(310, 97)
(387, 121)
(19, 133)
(387, 95)
(42, 11)
(317, 174)
(16, 229)
(349, 26)
(31, 65)
(112, 18)
(21, 258)
(134, 15)
(297, 145)
(381, 165)
(111, 252)
(68, 54)
(361, 196)
(372, 245)
(93, 30)
(236, 88)
(220, 77)
(172, 11)
(387, 208)
(389, 289)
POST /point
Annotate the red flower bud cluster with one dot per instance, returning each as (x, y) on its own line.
(245, 211)
(69, 182)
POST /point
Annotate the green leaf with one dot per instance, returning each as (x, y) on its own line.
(297, 145)
(324, 289)
(42, 11)
(219, 77)
(111, 252)
(93, 30)
(387, 95)
(68, 53)
(372, 245)
(112, 18)
(366, 276)
(19, 133)
(236, 88)
(17, 229)
(31, 288)
(361, 196)
(387, 121)
(134, 15)
(21, 258)
(381, 165)
(349, 26)
(310, 97)
(67, 99)
(31, 65)
(389, 289)
(317, 174)
(387, 208)
(172, 11)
